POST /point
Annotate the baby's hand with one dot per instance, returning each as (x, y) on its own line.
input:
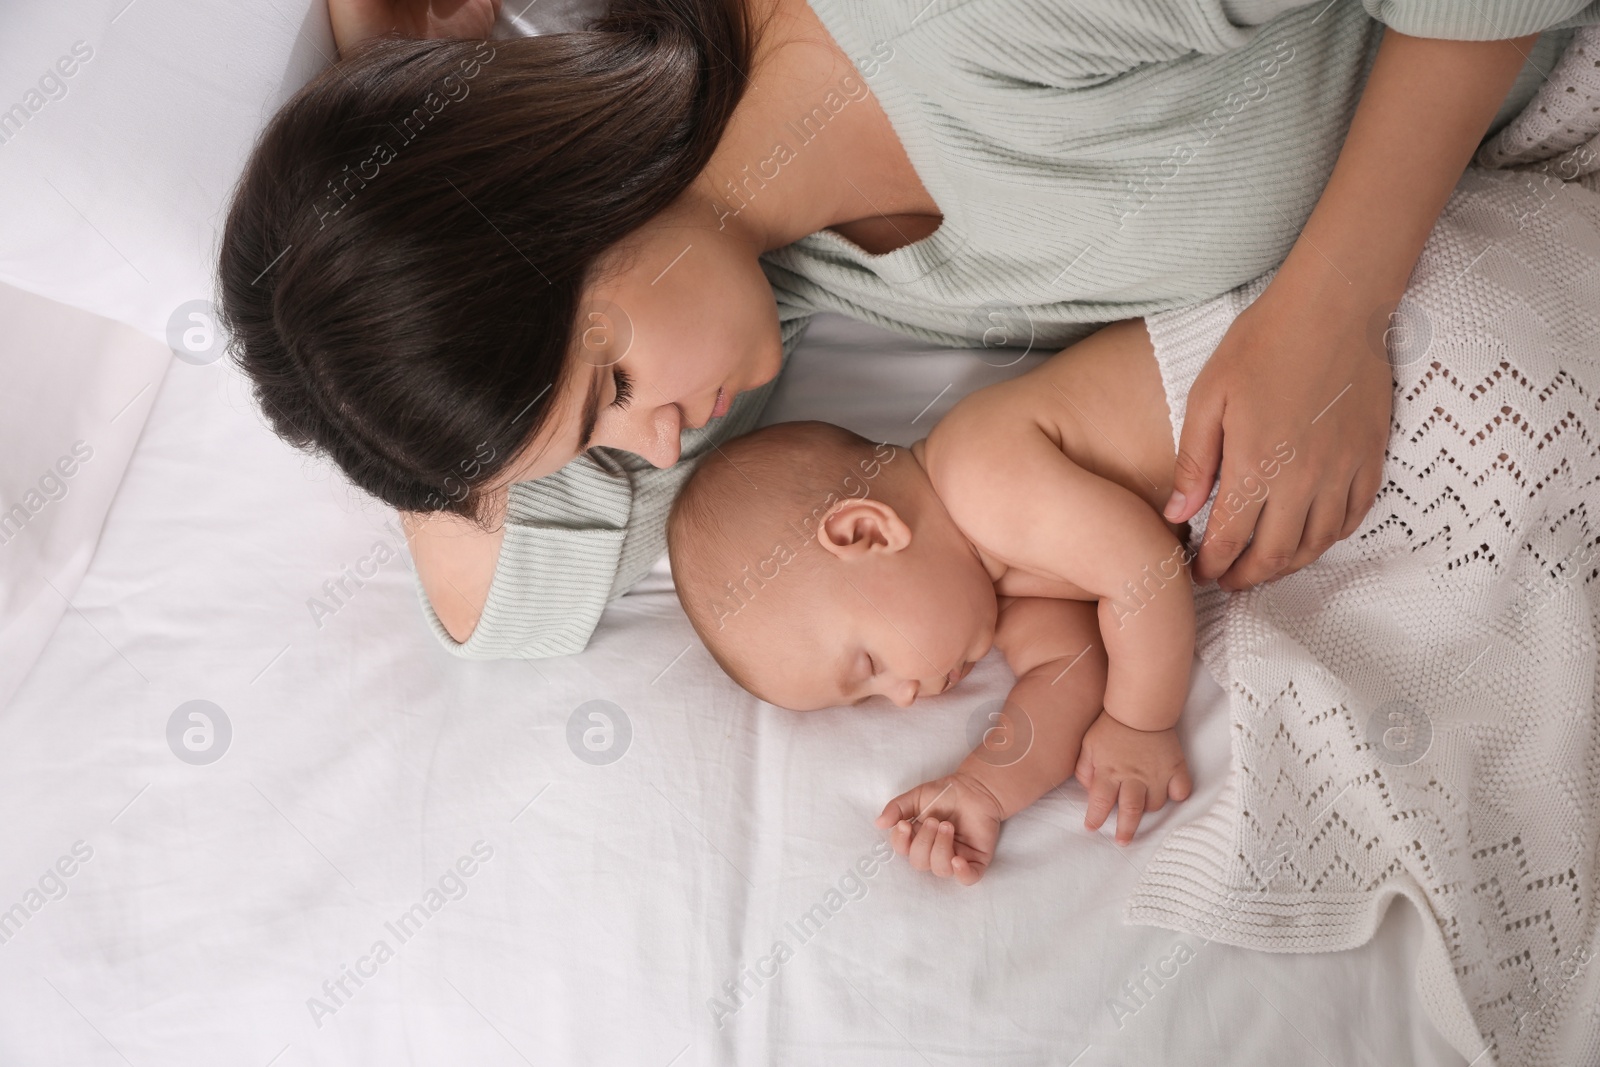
(959, 826)
(1132, 770)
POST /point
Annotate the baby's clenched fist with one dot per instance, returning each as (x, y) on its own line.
(948, 826)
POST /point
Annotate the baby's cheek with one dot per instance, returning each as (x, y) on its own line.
(947, 623)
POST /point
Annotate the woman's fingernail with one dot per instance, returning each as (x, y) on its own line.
(1174, 505)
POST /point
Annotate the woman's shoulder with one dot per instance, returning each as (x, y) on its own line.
(1022, 44)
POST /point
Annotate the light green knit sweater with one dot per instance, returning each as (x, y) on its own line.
(1094, 160)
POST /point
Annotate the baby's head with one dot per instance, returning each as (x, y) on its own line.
(821, 569)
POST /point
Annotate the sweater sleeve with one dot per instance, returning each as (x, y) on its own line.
(1481, 20)
(583, 536)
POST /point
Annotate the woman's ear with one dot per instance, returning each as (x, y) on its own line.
(856, 526)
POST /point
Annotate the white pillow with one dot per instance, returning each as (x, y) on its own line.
(124, 163)
(123, 128)
(78, 388)
(124, 125)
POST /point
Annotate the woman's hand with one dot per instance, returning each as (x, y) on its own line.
(1296, 370)
(1292, 410)
(356, 20)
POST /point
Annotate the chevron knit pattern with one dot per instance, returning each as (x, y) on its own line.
(1414, 714)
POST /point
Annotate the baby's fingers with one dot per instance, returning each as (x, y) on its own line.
(1130, 807)
(1180, 786)
(944, 851)
(1084, 772)
(900, 838)
(967, 871)
(896, 810)
(1102, 798)
(921, 854)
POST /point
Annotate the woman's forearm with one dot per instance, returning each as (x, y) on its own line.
(1426, 106)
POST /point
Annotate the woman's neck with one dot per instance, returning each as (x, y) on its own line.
(808, 146)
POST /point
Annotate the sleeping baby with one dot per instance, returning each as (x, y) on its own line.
(821, 569)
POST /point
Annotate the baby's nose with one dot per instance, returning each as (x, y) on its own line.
(903, 693)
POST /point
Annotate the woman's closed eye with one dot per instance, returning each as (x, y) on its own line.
(624, 386)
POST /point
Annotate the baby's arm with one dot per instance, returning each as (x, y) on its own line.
(1016, 494)
(1054, 649)
(950, 825)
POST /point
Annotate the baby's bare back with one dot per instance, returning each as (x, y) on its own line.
(1100, 402)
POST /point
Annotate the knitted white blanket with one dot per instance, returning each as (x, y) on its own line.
(1414, 714)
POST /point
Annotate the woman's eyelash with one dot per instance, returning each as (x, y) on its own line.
(624, 386)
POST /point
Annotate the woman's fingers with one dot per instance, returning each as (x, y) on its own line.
(1199, 452)
(1280, 517)
(1323, 527)
(1228, 528)
(1363, 494)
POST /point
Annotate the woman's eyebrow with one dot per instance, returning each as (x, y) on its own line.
(591, 411)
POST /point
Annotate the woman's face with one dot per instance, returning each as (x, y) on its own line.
(680, 321)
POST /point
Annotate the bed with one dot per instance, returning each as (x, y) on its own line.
(253, 812)
(663, 871)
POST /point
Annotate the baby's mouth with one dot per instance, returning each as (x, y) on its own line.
(956, 675)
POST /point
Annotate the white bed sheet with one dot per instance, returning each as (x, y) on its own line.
(365, 762)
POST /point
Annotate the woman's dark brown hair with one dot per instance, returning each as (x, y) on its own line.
(404, 255)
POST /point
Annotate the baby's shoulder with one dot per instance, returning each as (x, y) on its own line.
(967, 451)
(982, 460)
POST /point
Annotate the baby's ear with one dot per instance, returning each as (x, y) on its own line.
(857, 526)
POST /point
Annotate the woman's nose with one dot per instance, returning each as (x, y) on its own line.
(654, 434)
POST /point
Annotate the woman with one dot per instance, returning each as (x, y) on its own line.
(458, 267)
